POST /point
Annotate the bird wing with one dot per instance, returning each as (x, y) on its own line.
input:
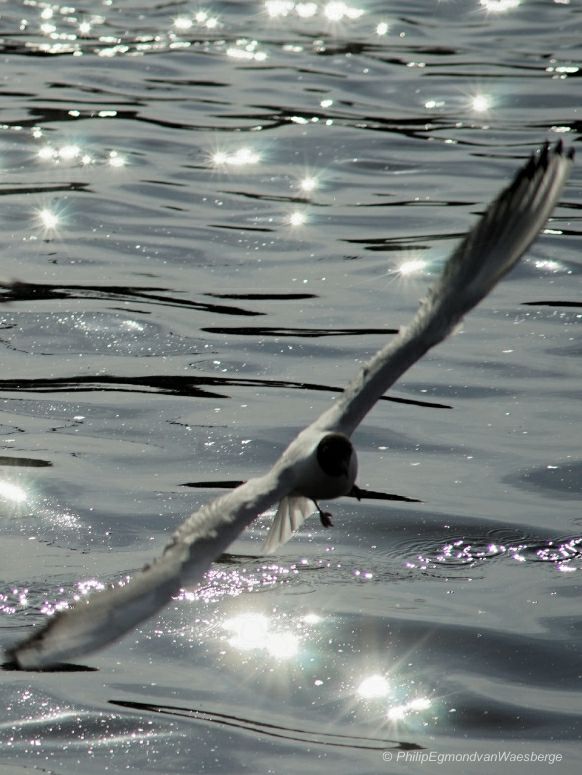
(291, 514)
(107, 615)
(494, 245)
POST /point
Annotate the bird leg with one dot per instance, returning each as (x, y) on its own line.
(324, 516)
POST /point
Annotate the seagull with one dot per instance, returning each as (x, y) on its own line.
(321, 462)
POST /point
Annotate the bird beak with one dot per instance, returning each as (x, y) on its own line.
(355, 492)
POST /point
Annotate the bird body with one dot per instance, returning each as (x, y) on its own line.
(320, 462)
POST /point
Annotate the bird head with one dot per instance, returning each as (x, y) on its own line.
(334, 455)
(331, 468)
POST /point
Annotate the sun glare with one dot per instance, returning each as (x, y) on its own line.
(405, 710)
(499, 6)
(49, 219)
(480, 103)
(116, 159)
(308, 184)
(297, 218)
(373, 686)
(255, 632)
(12, 492)
(414, 266)
(240, 158)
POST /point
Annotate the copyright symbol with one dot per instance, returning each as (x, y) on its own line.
(387, 756)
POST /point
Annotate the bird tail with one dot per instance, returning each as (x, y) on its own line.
(292, 512)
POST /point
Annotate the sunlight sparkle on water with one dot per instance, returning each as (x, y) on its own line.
(277, 8)
(240, 158)
(374, 686)
(66, 153)
(245, 49)
(12, 492)
(308, 184)
(396, 713)
(401, 712)
(47, 28)
(499, 6)
(87, 587)
(253, 632)
(75, 153)
(421, 703)
(48, 218)
(69, 152)
(333, 11)
(46, 153)
(84, 588)
(249, 631)
(305, 10)
(13, 600)
(282, 645)
(338, 11)
(297, 218)
(549, 265)
(116, 160)
(183, 23)
(412, 267)
(200, 18)
(480, 103)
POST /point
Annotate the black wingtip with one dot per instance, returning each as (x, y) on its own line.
(59, 667)
(540, 159)
(559, 149)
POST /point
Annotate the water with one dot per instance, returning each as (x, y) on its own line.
(210, 205)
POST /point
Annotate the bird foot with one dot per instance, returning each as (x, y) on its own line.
(324, 516)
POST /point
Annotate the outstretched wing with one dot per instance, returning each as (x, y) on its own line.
(108, 615)
(495, 244)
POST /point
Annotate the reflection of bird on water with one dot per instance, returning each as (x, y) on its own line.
(320, 462)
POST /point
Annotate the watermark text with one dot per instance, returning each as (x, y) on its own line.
(472, 757)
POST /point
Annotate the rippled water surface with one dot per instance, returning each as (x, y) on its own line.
(218, 210)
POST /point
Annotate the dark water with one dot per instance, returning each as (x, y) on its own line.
(210, 206)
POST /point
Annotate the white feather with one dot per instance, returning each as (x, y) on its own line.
(291, 514)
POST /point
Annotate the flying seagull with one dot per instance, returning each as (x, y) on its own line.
(320, 463)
